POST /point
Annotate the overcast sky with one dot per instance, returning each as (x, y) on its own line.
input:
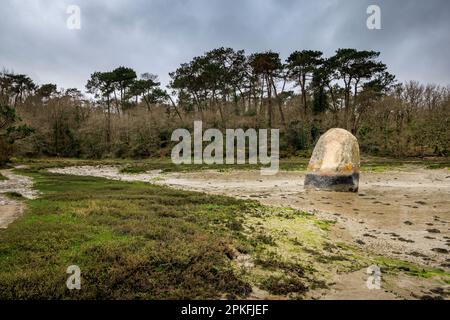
(157, 35)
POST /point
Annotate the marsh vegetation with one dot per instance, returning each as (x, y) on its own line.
(135, 240)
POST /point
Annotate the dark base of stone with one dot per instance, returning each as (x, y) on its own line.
(339, 183)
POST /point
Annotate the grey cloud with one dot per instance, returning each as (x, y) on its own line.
(157, 35)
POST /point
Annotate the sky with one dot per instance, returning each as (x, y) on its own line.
(156, 36)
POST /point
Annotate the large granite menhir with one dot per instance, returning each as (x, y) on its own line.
(334, 164)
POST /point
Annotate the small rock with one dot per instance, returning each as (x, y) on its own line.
(440, 250)
(369, 235)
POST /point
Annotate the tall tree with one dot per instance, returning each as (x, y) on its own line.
(16, 87)
(301, 66)
(268, 67)
(101, 85)
(354, 69)
(145, 88)
(123, 78)
(10, 131)
(212, 80)
(46, 90)
(320, 97)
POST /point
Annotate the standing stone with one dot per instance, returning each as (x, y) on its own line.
(334, 164)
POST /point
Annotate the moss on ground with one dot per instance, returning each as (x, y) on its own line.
(292, 252)
(137, 240)
(391, 265)
(134, 240)
(131, 240)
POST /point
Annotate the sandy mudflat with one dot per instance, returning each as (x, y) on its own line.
(11, 209)
(404, 214)
(401, 213)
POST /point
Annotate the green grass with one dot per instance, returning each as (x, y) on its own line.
(394, 265)
(439, 165)
(142, 241)
(167, 166)
(131, 240)
(371, 164)
(379, 164)
(3, 178)
(368, 164)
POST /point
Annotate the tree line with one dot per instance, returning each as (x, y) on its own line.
(261, 82)
(124, 114)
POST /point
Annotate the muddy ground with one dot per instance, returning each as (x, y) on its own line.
(403, 214)
(15, 185)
